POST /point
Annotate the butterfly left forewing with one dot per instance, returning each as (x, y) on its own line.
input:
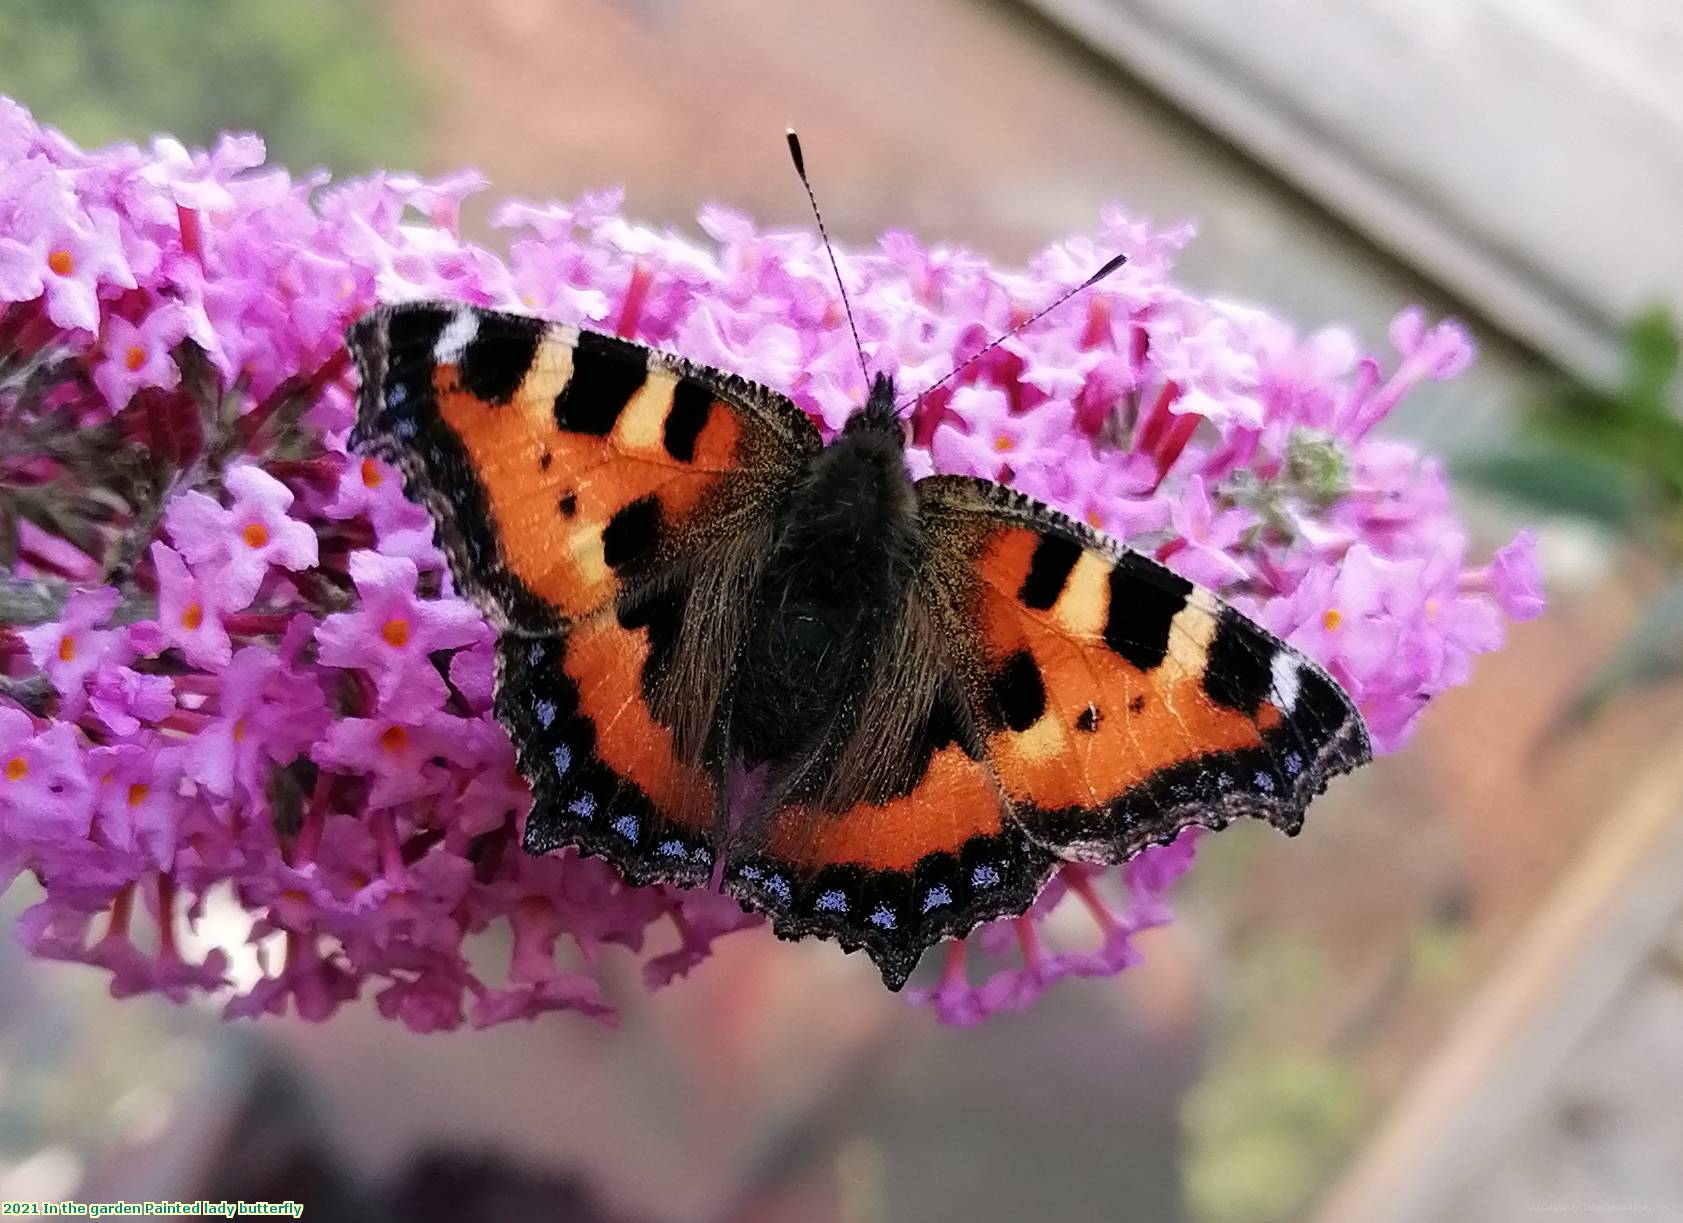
(1120, 703)
(604, 504)
(561, 465)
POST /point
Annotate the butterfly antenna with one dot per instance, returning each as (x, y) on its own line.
(800, 168)
(958, 369)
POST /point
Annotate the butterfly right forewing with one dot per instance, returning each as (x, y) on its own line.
(1120, 703)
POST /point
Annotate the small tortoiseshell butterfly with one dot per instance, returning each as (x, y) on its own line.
(880, 711)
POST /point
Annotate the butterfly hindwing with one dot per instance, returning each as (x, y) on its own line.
(605, 776)
(910, 844)
(605, 505)
(1118, 702)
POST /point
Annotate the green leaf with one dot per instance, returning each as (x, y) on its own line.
(1579, 486)
(1653, 349)
(1632, 426)
(1590, 424)
(320, 79)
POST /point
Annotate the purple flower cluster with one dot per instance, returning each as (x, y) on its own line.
(262, 690)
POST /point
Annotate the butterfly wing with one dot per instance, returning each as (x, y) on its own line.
(1058, 698)
(908, 841)
(1119, 703)
(605, 505)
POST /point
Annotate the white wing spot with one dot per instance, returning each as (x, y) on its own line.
(546, 713)
(1286, 683)
(456, 336)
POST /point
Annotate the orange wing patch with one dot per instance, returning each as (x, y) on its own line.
(956, 800)
(553, 493)
(605, 662)
(898, 876)
(1078, 724)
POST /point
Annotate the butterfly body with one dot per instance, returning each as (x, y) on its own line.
(843, 554)
(880, 711)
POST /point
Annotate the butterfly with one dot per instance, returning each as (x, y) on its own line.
(879, 711)
(731, 655)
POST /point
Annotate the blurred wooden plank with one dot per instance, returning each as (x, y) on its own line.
(1527, 156)
(1609, 916)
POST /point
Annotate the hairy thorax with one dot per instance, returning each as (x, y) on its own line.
(845, 547)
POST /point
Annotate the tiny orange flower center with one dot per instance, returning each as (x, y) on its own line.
(371, 476)
(239, 730)
(1002, 443)
(396, 633)
(17, 768)
(255, 535)
(534, 908)
(296, 895)
(135, 357)
(1093, 519)
(394, 739)
(61, 263)
(192, 616)
(67, 648)
(138, 792)
(1332, 619)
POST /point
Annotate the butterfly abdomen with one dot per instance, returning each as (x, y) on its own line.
(845, 547)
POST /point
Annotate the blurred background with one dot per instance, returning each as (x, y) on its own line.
(1486, 1027)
